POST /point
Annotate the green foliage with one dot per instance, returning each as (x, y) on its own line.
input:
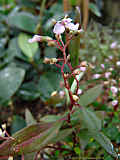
(11, 78)
(23, 20)
(28, 49)
(25, 82)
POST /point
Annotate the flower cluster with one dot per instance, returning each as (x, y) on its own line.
(65, 23)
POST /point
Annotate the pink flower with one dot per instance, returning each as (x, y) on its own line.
(83, 69)
(114, 102)
(96, 76)
(107, 74)
(79, 91)
(60, 26)
(36, 38)
(66, 20)
(113, 45)
(114, 90)
(102, 66)
(72, 26)
(118, 63)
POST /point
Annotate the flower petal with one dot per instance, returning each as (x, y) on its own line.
(58, 28)
(72, 26)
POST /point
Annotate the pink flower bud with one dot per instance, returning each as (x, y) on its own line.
(96, 76)
(36, 38)
(113, 45)
(107, 74)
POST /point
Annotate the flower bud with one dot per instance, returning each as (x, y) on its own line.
(54, 93)
(75, 98)
(53, 60)
(46, 60)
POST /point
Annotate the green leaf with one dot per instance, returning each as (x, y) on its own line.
(89, 96)
(91, 121)
(63, 134)
(50, 118)
(29, 118)
(17, 124)
(73, 2)
(23, 135)
(39, 141)
(94, 9)
(10, 80)
(84, 137)
(104, 142)
(23, 20)
(48, 83)
(29, 49)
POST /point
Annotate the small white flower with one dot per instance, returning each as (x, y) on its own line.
(96, 76)
(102, 66)
(114, 90)
(111, 69)
(72, 26)
(110, 57)
(83, 69)
(36, 38)
(59, 28)
(61, 94)
(118, 63)
(2, 133)
(10, 158)
(66, 20)
(114, 102)
(107, 74)
(106, 60)
(113, 45)
(79, 91)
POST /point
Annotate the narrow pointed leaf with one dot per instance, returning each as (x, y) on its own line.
(104, 142)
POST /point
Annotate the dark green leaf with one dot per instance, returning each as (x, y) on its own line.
(89, 96)
(17, 124)
(10, 80)
(23, 20)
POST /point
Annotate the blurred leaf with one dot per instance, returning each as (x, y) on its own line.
(29, 118)
(23, 20)
(17, 124)
(46, 85)
(104, 142)
(10, 80)
(50, 118)
(50, 52)
(73, 2)
(7, 147)
(91, 121)
(94, 9)
(63, 134)
(29, 91)
(84, 137)
(29, 49)
(90, 95)
(13, 45)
